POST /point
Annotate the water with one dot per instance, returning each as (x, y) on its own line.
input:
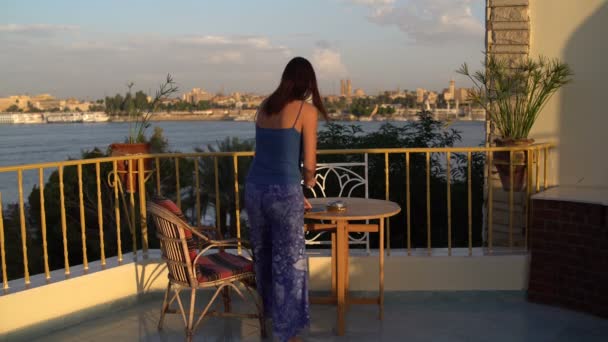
(27, 144)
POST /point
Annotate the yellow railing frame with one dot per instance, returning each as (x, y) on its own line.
(533, 153)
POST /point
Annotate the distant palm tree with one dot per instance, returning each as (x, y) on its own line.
(226, 180)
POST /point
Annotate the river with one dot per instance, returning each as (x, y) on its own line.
(27, 144)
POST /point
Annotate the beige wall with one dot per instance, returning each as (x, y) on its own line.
(577, 116)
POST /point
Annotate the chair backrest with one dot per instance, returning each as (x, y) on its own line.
(341, 180)
(347, 179)
(170, 230)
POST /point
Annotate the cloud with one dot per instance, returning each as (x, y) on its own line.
(372, 2)
(323, 44)
(98, 47)
(226, 57)
(328, 63)
(377, 7)
(259, 43)
(428, 21)
(255, 42)
(93, 63)
(204, 40)
(36, 29)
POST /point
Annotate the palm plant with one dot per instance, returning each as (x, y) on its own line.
(515, 94)
(225, 169)
(136, 142)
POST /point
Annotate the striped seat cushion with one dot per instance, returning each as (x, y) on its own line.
(221, 265)
(173, 208)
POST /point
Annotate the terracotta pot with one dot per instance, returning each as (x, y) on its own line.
(503, 162)
(123, 165)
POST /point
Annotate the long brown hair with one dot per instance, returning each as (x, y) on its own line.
(297, 83)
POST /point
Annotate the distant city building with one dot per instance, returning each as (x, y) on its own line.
(349, 88)
(458, 95)
(251, 100)
(346, 88)
(420, 95)
(223, 100)
(47, 102)
(196, 95)
(19, 100)
(332, 98)
(42, 102)
(450, 93)
(359, 92)
(396, 94)
(426, 98)
(76, 105)
(169, 101)
(462, 95)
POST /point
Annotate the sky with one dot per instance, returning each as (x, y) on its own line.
(91, 49)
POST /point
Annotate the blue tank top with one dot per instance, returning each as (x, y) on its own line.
(277, 155)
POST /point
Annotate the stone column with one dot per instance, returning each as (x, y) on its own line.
(508, 28)
(508, 38)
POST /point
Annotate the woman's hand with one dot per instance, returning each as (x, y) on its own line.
(309, 179)
(307, 205)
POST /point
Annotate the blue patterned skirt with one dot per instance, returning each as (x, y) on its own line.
(276, 219)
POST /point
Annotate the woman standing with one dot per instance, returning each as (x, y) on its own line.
(285, 134)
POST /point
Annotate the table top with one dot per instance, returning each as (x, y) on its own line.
(356, 209)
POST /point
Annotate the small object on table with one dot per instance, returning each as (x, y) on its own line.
(336, 206)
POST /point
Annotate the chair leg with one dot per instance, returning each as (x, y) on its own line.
(226, 298)
(257, 300)
(165, 307)
(191, 315)
(203, 314)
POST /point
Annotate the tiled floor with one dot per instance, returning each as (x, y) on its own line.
(409, 316)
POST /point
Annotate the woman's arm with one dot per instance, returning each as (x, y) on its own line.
(309, 136)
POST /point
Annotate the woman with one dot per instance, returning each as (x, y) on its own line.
(285, 133)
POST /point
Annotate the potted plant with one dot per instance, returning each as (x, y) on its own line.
(514, 95)
(137, 141)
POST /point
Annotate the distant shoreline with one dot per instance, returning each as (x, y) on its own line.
(244, 116)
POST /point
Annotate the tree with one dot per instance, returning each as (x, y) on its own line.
(31, 108)
(13, 108)
(203, 105)
(13, 244)
(423, 133)
(72, 213)
(97, 108)
(141, 100)
(226, 179)
(114, 105)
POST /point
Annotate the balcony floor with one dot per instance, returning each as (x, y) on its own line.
(409, 316)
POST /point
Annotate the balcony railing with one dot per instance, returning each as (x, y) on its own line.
(84, 211)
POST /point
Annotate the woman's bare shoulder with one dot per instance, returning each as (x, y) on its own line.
(309, 109)
(309, 115)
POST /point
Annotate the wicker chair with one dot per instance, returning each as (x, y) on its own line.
(189, 271)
